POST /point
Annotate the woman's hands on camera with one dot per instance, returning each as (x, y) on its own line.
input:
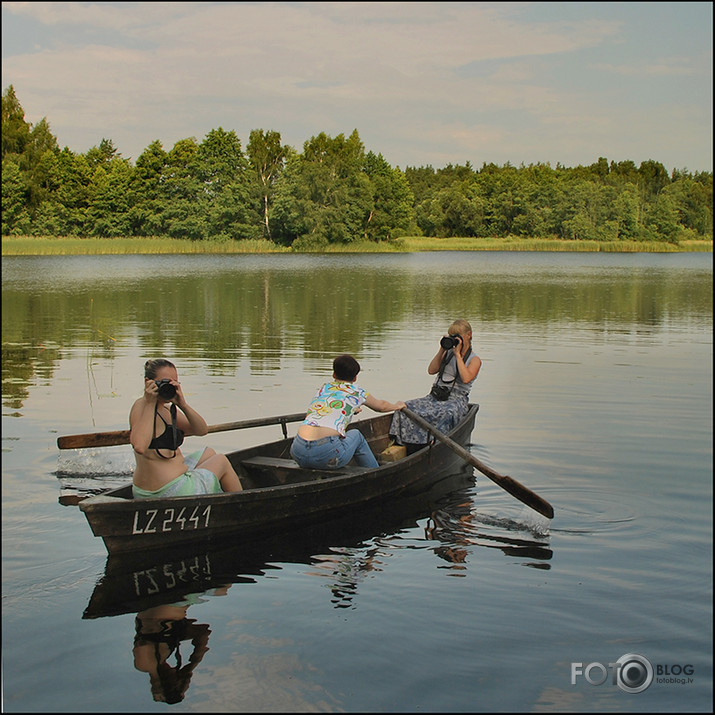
(165, 390)
(151, 391)
(179, 400)
(451, 342)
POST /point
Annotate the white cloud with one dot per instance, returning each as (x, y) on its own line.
(666, 67)
(443, 74)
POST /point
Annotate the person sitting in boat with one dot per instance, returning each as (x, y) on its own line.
(322, 441)
(157, 430)
(456, 367)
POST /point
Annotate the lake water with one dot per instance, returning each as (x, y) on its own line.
(595, 392)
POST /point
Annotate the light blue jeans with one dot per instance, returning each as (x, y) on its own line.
(333, 452)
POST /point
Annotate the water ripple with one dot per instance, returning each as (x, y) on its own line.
(588, 511)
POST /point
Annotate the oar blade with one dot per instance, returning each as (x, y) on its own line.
(507, 483)
(526, 496)
(96, 439)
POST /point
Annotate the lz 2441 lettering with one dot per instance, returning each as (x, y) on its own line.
(154, 521)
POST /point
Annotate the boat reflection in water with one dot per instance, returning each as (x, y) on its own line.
(160, 587)
(453, 523)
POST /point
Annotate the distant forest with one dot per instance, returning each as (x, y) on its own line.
(331, 192)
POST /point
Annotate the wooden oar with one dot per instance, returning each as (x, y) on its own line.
(109, 439)
(507, 483)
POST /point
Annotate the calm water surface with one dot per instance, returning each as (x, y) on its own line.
(595, 392)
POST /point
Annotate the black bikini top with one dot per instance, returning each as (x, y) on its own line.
(172, 437)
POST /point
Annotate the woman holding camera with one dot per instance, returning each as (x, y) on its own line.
(157, 430)
(456, 367)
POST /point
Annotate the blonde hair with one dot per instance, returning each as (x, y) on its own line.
(459, 326)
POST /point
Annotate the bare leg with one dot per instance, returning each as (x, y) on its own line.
(221, 467)
(207, 454)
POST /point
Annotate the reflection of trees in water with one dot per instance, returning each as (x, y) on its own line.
(222, 317)
(23, 365)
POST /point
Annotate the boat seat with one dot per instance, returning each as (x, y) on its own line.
(291, 464)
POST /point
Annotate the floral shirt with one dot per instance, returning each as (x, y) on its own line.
(334, 405)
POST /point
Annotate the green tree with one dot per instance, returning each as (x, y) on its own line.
(693, 201)
(662, 220)
(324, 196)
(15, 218)
(267, 157)
(40, 152)
(653, 178)
(15, 130)
(422, 181)
(109, 196)
(224, 175)
(145, 202)
(220, 161)
(454, 211)
(65, 184)
(102, 155)
(626, 212)
(391, 214)
(183, 198)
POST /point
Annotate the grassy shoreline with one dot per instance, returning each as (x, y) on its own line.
(66, 246)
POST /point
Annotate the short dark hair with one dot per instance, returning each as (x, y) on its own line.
(346, 368)
(152, 366)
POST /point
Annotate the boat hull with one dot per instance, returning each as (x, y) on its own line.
(275, 495)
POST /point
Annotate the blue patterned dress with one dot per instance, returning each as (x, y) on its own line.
(444, 415)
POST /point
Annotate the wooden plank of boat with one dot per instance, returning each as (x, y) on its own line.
(276, 494)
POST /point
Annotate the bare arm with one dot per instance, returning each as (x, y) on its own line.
(191, 422)
(383, 405)
(468, 372)
(436, 362)
(141, 419)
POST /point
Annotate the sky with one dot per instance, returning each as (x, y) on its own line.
(423, 83)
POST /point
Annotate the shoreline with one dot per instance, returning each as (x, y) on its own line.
(66, 246)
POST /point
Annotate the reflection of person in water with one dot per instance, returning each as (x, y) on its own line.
(159, 633)
(459, 516)
(455, 526)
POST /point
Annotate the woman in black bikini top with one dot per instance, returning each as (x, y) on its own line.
(171, 438)
(159, 461)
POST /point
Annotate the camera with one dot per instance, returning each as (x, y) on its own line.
(450, 341)
(166, 390)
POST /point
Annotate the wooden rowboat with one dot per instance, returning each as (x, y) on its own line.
(277, 494)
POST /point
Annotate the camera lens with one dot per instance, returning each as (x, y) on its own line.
(448, 342)
(166, 389)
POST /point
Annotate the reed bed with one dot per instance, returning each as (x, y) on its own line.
(66, 246)
(61, 246)
(549, 244)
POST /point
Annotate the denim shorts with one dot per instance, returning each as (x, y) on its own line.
(333, 452)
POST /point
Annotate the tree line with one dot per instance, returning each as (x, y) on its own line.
(334, 191)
